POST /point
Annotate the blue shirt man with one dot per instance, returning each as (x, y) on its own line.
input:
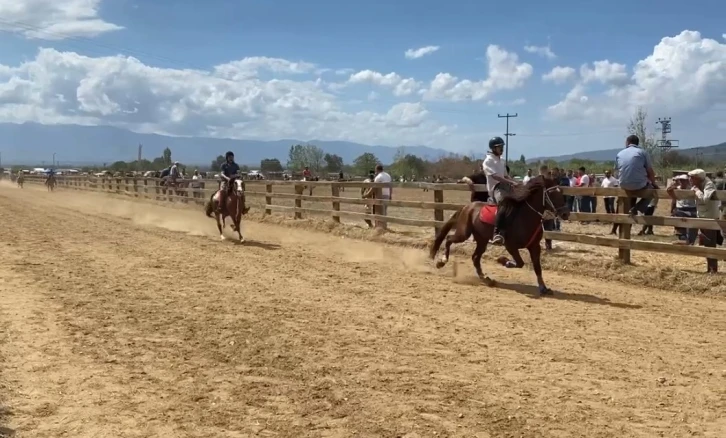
(229, 168)
(635, 170)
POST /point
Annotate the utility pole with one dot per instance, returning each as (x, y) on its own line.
(507, 135)
(140, 148)
(665, 144)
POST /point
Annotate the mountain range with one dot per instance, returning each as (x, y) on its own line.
(715, 152)
(75, 145)
(33, 143)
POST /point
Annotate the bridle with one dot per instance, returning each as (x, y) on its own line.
(548, 204)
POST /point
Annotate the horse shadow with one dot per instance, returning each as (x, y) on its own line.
(256, 244)
(532, 291)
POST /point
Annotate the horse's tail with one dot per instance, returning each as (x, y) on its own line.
(443, 232)
(208, 208)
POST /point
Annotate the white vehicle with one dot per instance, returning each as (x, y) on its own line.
(255, 174)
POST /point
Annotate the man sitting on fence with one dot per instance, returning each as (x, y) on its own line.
(499, 184)
(635, 172)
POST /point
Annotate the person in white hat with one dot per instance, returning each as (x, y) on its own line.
(707, 207)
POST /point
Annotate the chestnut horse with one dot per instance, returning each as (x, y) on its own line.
(234, 207)
(525, 208)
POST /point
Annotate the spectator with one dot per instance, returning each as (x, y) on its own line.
(196, 184)
(648, 229)
(720, 183)
(707, 207)
(386, 192)
(549, 224)
(569, 181)
(593, 199)
(527, 177)
(609, 182)
(368, 193)
(683, 207)
(635, 172)
(477, 178)
(584, 181)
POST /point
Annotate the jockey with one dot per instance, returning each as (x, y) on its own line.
(227, 171)
(499, 183)
(307, 175)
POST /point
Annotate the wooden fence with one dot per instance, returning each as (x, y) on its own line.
(150, 188)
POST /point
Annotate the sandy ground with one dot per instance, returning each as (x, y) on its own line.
(122, 319)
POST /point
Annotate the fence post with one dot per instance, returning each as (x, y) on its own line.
(335, 191)
(438, 214)
(624, 230)
(146, 188)
(268, 199)
(298, 201)
(379, 209)
(158, 190)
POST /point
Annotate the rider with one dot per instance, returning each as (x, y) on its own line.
(51, 175)
(227, 171)
(499, 183)
(174, 173)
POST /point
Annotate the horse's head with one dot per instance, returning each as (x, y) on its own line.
(238, 188)
(553, 199)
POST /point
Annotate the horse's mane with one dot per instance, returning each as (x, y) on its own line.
(520, 193)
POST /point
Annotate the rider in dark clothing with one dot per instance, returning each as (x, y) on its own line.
(227, 171)
(477, 178)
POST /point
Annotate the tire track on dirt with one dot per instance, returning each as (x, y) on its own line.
(317, 341)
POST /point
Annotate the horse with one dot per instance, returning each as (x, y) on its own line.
(234, 207)
(20, 180)
(525, 208)
(50, 183)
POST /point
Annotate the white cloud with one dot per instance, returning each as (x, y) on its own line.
(543, 51)
(53, 19)
(420, 52)
(230, 100)
(400, 86)
(684, 73)
(559, 75)
(505, 73)
(605, 72)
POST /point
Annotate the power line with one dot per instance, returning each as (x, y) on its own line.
(507, 135)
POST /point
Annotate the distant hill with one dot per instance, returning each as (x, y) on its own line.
(710, 153)
(31, 143)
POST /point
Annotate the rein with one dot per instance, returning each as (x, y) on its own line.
(546, 201)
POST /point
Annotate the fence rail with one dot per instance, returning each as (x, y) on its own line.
(151, 188)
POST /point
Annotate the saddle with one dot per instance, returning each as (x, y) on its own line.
(488, 214)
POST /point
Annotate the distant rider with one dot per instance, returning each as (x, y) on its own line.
(227, 171)
(499, 183)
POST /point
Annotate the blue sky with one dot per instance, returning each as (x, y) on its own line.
(372, 36)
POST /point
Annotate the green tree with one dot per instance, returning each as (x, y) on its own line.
(522, 159)
(365, 163)
(270, 165)
(308, 155)
(638, 126)
(119, 166)
(333, 162)
(217, 162)
(409, 165)
(166, 156)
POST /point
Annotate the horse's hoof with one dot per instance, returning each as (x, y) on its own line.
(488, 282)
(222, 238)
(440, 264)
(544, 290)
(502, 260)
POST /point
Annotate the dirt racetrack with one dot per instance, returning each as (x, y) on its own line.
(123, 319)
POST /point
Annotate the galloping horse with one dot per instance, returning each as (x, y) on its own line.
(525, 207)
(20, 180)
(234, 207)
(50, 182)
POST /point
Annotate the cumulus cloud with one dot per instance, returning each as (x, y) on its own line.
(420, 52)
(400, 86)
(685, 72)
(559, 75)
(543, 51)
(505, 72)
(53, 19)
(230, 100)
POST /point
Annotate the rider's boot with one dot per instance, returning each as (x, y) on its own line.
(499, 226)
